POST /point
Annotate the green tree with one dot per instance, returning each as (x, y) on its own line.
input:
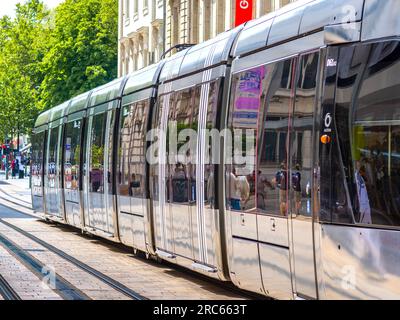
(48, 57)
(22, 46)
(83, 51)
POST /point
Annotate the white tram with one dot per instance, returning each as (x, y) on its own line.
(313, 212)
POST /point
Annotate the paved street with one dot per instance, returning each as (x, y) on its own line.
(19, 259)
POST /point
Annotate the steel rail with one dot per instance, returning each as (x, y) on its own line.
(116, 285)
(6, 291)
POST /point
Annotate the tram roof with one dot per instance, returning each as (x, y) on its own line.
(107, 92)
(59, 111)
(142, 79)
(79, 103)
(295, 20)
(201, 56)
(43, 118)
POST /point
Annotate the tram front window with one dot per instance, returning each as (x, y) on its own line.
(371, 154)
(377, 174)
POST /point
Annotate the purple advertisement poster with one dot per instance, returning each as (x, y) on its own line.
(248, 97)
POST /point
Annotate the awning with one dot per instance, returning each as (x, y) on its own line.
(26, 148)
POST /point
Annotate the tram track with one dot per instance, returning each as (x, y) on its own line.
(6, 291)
(111, 282)
(57, 283)
(13, 200)
(77, 263)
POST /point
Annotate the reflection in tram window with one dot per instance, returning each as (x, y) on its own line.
(243, 119)
(181, 117)
(272, 170)
(371, 102)
(37, 161)
(123, 154)
(97, 153)
(52, 157)
(131, 149)
(301, 136)
(72, 154)
(110, 147)
(211, 123)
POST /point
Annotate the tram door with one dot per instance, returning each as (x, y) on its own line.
(98, 170)
(52, 174)
(301, 174)
(181, 182)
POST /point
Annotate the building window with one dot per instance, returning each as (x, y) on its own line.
(220, 16)
(127, 15)
(136, 8)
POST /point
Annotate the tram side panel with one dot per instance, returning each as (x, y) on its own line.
(361, 217)
(72, 171)
(132, 180)
(186, 218)
(38, 158)
(257, 180)
(52, 178)
(97, 178)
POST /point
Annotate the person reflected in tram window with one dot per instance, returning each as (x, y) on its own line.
(262, 184)
(364, 207)
(233, 196)
(179, 185)
(134, 186)
(243, 188)
(96, 177)
(296, 184)
(282, 185)
(210, 192)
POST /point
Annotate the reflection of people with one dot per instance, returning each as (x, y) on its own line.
(362, 193)
(281, 180)
(234, 198)
(210, 189)
(179, 185)
(243, 189)
(296, 183)
(96, 176)
(134, 186)
(262, 183)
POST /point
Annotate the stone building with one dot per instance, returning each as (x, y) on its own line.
(143, 38)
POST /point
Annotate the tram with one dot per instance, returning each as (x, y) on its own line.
(310, 209)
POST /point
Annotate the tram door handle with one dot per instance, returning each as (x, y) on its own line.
(242, 219)
(273, 224)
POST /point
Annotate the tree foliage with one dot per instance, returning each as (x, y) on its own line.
(47, 57)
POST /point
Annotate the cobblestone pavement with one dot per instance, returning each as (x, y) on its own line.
(148, 278)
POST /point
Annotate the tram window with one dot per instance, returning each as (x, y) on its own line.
(156, 124)
(123, 154)
(72, 154)
(243, 118)
(273, 180)
(211, 158)
(371, 144)
(110, 152)
(301, 136)
(37, 159)
(52, 157)
(180, 117)
(193, 166)
(97, 153)
(137, 159)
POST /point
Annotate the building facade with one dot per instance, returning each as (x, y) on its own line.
(143, 38)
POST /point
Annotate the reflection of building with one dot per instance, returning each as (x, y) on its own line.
(141, 26)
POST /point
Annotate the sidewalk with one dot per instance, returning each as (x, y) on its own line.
(16, 188)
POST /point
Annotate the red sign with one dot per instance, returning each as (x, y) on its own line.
(244, 11)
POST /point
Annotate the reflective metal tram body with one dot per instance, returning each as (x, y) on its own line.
(313, 213)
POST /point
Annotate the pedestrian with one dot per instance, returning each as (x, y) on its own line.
(13, 165)
(21, 170)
